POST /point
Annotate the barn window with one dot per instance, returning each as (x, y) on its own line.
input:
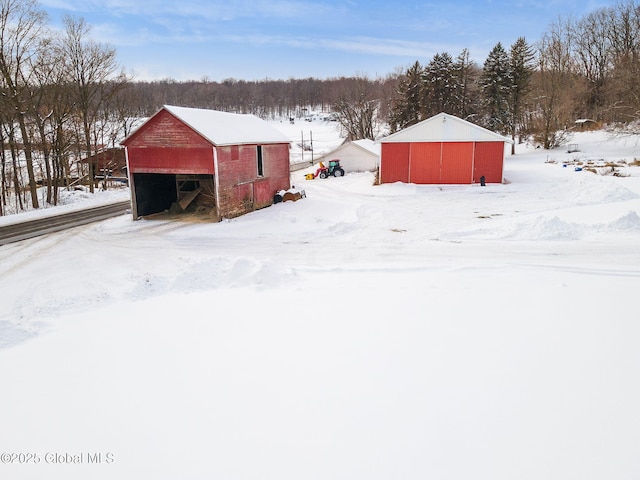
(259, 157)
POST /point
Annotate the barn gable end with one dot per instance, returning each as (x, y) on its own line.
(165, 129)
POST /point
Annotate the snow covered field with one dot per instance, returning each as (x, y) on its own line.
(364, 332)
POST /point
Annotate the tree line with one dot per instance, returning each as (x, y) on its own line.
(64, 97)
(268, 98)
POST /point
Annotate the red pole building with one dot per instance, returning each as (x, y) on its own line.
(443, 149)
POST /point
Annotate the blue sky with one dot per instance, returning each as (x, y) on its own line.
(281, 39)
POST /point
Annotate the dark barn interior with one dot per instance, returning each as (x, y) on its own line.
(157, 193)
(154, 192)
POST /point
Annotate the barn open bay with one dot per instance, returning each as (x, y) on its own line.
(391, 331)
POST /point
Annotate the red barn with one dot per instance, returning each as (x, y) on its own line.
(229, 163)
(442, 149)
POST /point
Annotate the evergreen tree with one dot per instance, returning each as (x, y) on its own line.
(465, 78)
(439, 86)
(496, 84)
(407, 104)
(521, 66)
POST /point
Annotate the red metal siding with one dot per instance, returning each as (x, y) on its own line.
(424, 163)
(171, 160)
(394, 163)
(488, 161)
(457, 162)
(442, 162)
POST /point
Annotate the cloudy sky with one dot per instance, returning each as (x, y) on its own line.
(281, 39)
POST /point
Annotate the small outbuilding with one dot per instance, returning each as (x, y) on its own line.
(443, 149)
(228, 163)
(586, 124)
(108, 163)
(356, 156)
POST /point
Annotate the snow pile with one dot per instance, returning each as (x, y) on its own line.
(12, 334)
(544, 228)
(628, 223)
(549, 228)
(584, 193)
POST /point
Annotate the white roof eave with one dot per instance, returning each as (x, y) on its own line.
(444, 128)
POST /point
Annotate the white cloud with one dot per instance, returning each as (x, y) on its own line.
(216, 10)
(361, 44)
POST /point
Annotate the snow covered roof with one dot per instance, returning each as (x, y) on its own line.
(444, 128)
(369, 145)
(223, 128)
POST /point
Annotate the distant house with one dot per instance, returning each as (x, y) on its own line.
(586, 124)
(443, 149)
(228, 163)
(110, 162)
(356, 156)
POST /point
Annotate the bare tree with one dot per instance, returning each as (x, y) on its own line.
(43, 81)
(52, 114)
(22, 30)
(623, 96)
(91, 67)
(357, 109)
(554, 83)
(591, 45)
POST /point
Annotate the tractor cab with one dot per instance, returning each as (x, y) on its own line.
(333, 169)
